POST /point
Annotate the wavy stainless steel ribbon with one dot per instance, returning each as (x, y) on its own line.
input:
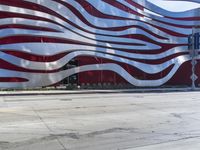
(39, 37)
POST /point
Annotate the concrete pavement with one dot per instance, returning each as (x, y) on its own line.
(100, 121)
(192, 143)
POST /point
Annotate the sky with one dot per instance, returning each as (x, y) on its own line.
(178, 6)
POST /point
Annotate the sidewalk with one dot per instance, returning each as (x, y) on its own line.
(132, 121)
(90, 91)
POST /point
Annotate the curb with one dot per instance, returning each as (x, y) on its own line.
(63, 92)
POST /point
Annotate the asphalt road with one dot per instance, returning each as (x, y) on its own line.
(151, 121)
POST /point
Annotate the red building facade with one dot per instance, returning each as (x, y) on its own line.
(99, 41)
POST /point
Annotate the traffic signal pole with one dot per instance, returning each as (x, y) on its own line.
(193, 42)
(193, 61)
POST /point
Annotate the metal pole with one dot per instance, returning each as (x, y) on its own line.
(193, 69)
(194, 61)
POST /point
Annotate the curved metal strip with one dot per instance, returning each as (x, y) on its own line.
(139, 35)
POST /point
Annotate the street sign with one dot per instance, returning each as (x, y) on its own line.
(196, 41)
(194, 44)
